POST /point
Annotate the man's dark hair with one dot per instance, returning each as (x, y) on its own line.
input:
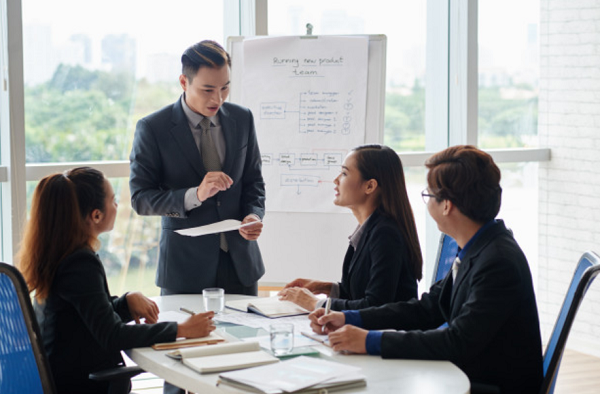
(469, 178)
(206, 53)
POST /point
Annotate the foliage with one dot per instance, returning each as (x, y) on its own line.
(404, 127)
(82, 115)
(504, 122)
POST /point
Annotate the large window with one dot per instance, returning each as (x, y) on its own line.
(404, 24)
(91, 71)
(508, 73)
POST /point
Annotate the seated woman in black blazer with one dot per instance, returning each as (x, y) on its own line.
(83, 327)
(383, 262)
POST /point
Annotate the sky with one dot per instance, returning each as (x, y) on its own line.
(171, 26)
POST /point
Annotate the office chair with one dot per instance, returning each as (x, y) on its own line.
(447, 251)
(24, 367)
(586, 271)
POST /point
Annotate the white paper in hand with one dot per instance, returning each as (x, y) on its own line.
(218, 227)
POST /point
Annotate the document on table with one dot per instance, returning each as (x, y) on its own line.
(218, 227)
(300, 340)
(294, 375)
(301, 323)
(223, 357)
(175, 316)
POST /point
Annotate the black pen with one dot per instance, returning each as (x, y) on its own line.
(186, 310)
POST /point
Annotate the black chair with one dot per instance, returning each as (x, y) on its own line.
(447, 251)
(24, 367)
(586, 271)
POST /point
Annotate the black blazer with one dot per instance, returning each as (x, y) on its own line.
(84, 328)
(493, 331)
(165, 162)
(379, 271)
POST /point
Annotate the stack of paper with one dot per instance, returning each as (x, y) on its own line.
(299, 375)
(223, 357)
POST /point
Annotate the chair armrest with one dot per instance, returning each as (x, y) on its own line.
(117, 373)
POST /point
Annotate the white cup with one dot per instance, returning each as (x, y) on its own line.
(214, 299)
(282, 338)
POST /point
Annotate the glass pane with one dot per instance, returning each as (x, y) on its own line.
(405, 28)
(130, 251)
(416, 181)
(519, 208)
(92, 69)
(508, 73)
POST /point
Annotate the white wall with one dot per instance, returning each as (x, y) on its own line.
(569, 194)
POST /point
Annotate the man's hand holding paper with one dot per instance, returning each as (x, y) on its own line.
(249, 231)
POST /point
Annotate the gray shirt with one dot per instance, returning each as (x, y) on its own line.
(191, 198)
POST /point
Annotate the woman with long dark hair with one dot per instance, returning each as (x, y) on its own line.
(383, 262)
(83, 326)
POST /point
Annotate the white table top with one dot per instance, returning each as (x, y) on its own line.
(392, 376)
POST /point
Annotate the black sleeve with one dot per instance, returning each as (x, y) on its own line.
(81, 282)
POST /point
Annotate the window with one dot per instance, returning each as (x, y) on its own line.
(91, 70)
(508, 73)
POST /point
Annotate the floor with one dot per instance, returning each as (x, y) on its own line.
(579, 373)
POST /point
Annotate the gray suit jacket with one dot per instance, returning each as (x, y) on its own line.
(165, 162)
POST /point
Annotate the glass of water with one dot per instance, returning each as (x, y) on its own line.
(214, 299)
(282, 338)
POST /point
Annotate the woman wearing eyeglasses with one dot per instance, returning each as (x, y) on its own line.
(83, 326)
(383, 262)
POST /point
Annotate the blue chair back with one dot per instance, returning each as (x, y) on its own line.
(587, 269)
(23, 364)
(447, 251)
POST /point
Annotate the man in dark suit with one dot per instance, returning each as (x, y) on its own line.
(197, 162)
(487, 299)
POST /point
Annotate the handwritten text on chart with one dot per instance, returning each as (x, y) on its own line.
(320, 112)
(325, 112)
(298, 64)
(299, 180)
(304, 159)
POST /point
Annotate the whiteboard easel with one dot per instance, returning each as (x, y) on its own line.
(313, 245)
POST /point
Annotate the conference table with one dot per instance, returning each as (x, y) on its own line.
(391, 376)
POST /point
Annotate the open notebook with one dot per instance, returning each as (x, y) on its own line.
(268, 306)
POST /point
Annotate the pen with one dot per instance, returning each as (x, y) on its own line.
(327, 310)
(186, 310)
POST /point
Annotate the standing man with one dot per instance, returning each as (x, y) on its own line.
(487, 299)
(197, 162)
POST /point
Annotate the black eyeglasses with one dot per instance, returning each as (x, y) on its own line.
(425, 195)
